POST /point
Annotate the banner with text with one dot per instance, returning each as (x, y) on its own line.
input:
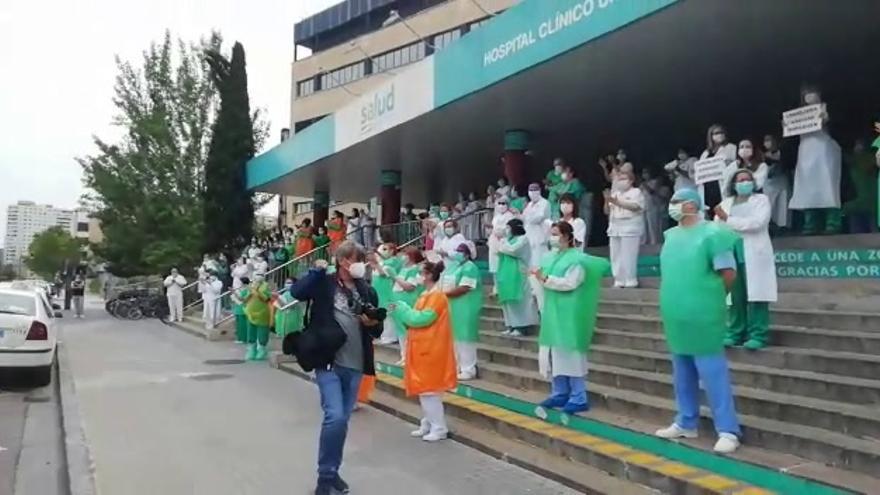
(802, 120)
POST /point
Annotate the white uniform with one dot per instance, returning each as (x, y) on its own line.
(751, 220)
(684, 173)
(239, 271)
(499, 222)
(212, 302)
(777, 188)
(656, 210)
(625, 230)
(555, 361)
(817, 175)
(174, 291)
(449, 244)
(536, 218)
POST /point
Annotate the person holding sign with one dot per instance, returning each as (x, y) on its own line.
(817, 174)
(748, 157)
(747, 212)
(717, 145)
(698, 268)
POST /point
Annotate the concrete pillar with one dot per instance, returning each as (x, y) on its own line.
(516, 143)
(320, 208)
(389, 196)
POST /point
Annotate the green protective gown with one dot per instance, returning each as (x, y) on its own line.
(510, 279)
(574, 187)
(257, 305)
(322, 241)
(409, 274)
(569, 317)
(465, 309)
(241, 321)
(291, 319)
(552, 178)
(385, 283)
(519, 204)
(692, 294)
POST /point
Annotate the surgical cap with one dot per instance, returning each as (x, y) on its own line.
(688, 196)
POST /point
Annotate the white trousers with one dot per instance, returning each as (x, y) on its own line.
(402, 340)
(433, 412)
(625, 260)
(389, 332)
(466, 357)
(175, 307)
(537, 291)
(211, 307)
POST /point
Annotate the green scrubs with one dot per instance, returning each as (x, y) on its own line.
(464, 309)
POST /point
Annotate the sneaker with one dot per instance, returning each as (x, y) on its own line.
(340, 485)
(753, 345)
(506, 331)
(424, 429)
(239, 342)
(553, 402)
(618, 285)
(727, 443)
(675, 431)
(436, 435)
(516, 333)
(572, 409)
(402, 362)
(464, 377)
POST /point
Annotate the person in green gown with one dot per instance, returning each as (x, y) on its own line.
(289, 313)
(572, 285)
(517, 304)
(385, 267)
(518, 199)
(697, 270)
(239, 296)
(569, 184)
(322, 242)
(554, 176)
(462, 285)
(407, 288)
(257, 311)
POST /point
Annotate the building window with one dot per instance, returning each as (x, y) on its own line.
(305, 88)
(302, 207)
(82, 226)
(400, 57)
(443, 40)
(342, 76)
(475, 25)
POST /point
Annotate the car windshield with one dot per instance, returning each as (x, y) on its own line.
(17, 304)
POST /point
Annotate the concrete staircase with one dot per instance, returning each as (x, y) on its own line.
(809, 404)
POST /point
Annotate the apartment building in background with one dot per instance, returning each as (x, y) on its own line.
(26, 219)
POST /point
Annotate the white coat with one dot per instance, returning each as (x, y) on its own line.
(499, 222)
(535, 217)
(174, 285)
(240, 271)
(751, 220)
(817, 174)
(623, 222)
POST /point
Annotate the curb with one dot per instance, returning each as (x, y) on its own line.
(78, 457)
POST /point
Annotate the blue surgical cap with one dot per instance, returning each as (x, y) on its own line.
(688, 195)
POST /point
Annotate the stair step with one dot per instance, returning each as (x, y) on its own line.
(818, 360)
(562, 440)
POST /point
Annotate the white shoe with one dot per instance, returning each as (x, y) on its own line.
(424, 429)
(618, 285)
(387, 342)
(727, 443)
(675, 431)
(436, 435)
(631, 285)
(516, 333)
(402, 362)
(506, 332)
(464, 377)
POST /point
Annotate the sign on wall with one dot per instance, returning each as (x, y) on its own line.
(403, 97)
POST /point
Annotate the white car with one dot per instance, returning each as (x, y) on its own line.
(28, 332)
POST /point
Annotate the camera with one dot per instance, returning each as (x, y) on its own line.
(373, 313)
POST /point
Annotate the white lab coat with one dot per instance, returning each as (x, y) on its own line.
(535, 217)
(238, 272)
(778, 190)
(260, 267)
(817, 175)
(174, 293)
(499, 222)
(760, 177)
(449, 244)
(174, 285)
(751, 220)
(684, 173)
(729, 152)
(212, 303)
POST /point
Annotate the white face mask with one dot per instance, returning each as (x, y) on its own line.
(383, 252)
(625, 184)
(501, 183)
(566, 208)
(718, 138)
(450, 231)
(745, 153)
(554, 241)
(558, 169)
(358, 269)
(566, 177)
(682, 157)
(534, 195)
(812, 99)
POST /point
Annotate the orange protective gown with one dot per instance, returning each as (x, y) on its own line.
(430, 357)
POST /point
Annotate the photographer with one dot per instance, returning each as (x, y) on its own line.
(340, 300)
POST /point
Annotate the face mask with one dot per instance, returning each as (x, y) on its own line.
(625, 184)
(745, 153)
(566, 208)
(457, 256)
(383, 252)
(554, 241)
(501, 183)
(675, 212)
(621, 158)
(534, 195)
(358, 269)
(744, 188)
(566, 177)
(444, 215)
(449, 231)
(558, 169)
(718, 138)
(289, 286)
(502, 208)
(812, 99)
(682, 157)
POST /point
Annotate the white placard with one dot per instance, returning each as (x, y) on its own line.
(709, 169)
(802, 120)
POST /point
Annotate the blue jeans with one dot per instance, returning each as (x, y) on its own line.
(571, 388)
(339, 390)
(687, 371)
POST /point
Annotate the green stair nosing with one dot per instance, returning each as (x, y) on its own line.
(740, 470)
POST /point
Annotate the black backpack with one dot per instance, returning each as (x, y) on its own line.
(314, 347)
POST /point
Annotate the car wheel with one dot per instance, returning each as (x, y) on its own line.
(42, 376)
(135, 313)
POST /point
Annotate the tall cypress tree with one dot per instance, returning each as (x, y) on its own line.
(228, 205)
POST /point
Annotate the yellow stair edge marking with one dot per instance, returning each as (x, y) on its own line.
(651, 462)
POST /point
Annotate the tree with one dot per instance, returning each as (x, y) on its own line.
(146, 188)
(228, 205)
(52, 250)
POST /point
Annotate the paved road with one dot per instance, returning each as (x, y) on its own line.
(161, 419)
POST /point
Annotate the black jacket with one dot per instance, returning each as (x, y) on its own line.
(319, 288)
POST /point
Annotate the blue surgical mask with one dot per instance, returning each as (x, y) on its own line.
(457, 256)
(444, 215)
(744, 188)
(675, 212)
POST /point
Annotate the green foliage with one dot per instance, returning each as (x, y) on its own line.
(146, 188)
(228, 205)
(50, 250)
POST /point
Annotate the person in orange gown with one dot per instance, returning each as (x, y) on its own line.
(304, 240)
(336, 230)
(430, 357)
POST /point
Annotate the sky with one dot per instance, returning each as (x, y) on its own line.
(58, 70)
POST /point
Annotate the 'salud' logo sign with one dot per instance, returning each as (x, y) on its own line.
(373, 110)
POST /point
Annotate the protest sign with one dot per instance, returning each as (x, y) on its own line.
(802, 120)
(709, 170)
